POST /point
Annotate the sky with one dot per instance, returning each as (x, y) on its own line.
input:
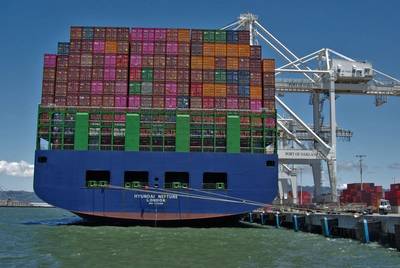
(364, 30)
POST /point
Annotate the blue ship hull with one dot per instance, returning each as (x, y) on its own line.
(59, 179)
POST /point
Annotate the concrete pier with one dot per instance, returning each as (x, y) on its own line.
(384, 229)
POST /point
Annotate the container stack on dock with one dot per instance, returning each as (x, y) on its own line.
(393, 195)
(156, 73)
(366, 193)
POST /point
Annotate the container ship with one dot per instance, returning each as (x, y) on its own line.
(145, 125)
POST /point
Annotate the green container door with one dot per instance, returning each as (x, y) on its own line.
(208, 36)
(134, 88)
(132, 132)
(182, 133)
(220, 36)
(233, 134)
(81, 131)
(220, 76)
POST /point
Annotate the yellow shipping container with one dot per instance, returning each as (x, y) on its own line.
(255, 92)
(220, 50)
(111, 47)
(196, 62)
(208, 90)
(220, 90)
(208, 63)
(232, 50)
(268, 65)
(244, 50)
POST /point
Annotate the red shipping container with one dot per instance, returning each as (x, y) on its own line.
(183, 75)
(120, 101)
(220, 103)
(158, 101)
(121, 88)
(96, 100)
(98, 60)
(244, 104)
(184, 49)
(171, 61)
(122, 47)
(158, 88)
(183, 89)
(148, 48)
(122, 61)
(85, 74)
(62, 75)
(47, 88)
(171, 89)
(159, 61)
(171, 75)
(47, 99)
(135, 74)
(220, 63)
(62, 61)
(196, 76)
(75, 32)
(255, 52)
(255, 65)
(196, 90)
(111, 33)
(136, 48)
(172, 48)
(72, 100)
(97, 73)
(121, 74)
(160, 34)
(96, 87)
(232, 90)
(50, 60)
(134, 102)
(60, 101)
(75, 46)
(73, 73)
(244, 64)
(160, 48)
(49, 74)
(84, 100)
(172, 35)
(61, 89)
(196, 102)
(84, 87)
(159, 75)
(170, 102)
(74, 60)
(184, 62)
(108, 87)
(147, 61)
(270, 122)
(232, 103)
(123, 34)
(87, 46)
(73, 87)
(208, 103)
(108, 101)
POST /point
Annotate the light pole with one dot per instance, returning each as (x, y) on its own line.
(361, 157)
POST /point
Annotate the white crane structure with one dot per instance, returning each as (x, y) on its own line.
(323, 74)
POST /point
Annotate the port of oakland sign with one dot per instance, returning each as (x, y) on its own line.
(155, 199)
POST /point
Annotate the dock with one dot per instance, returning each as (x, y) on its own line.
(383, 229)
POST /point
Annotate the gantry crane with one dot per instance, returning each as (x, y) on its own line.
(324, 74)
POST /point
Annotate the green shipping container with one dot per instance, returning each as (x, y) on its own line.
(220, 76)
(220, 36)
(134, 88)
(208, 36)
(147, 74)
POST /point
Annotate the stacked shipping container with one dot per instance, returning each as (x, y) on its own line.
(393, 195)
(368, 194)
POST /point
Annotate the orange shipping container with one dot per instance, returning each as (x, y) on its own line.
(208, 63)
(255, 93)
(220, 90)
(232, 50)
(208, 90)
(244, 50)
(232, 63)
(208, 49)
(220, 50)
(268, 65)
(111, 47)
(196, 62)
(183, 35)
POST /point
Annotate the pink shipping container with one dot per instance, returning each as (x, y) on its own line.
(108, 87)
(96, 87)
(170, 102)
(109, 74)
(148, 48)
(134, 102)
(148, 34)
(171, 89)
(110, 60)
(196, 90)
(160, 34)
(196, 102)
(232, 103)
(96, 100)
(136, 61)
(255, 105)
(108, 101)
(50, 60)
(136, 34)
(270, 122)
(120, 101)
(72, 100)
(121, 88)
(172, 48)
(208, 103)
(98, 46)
